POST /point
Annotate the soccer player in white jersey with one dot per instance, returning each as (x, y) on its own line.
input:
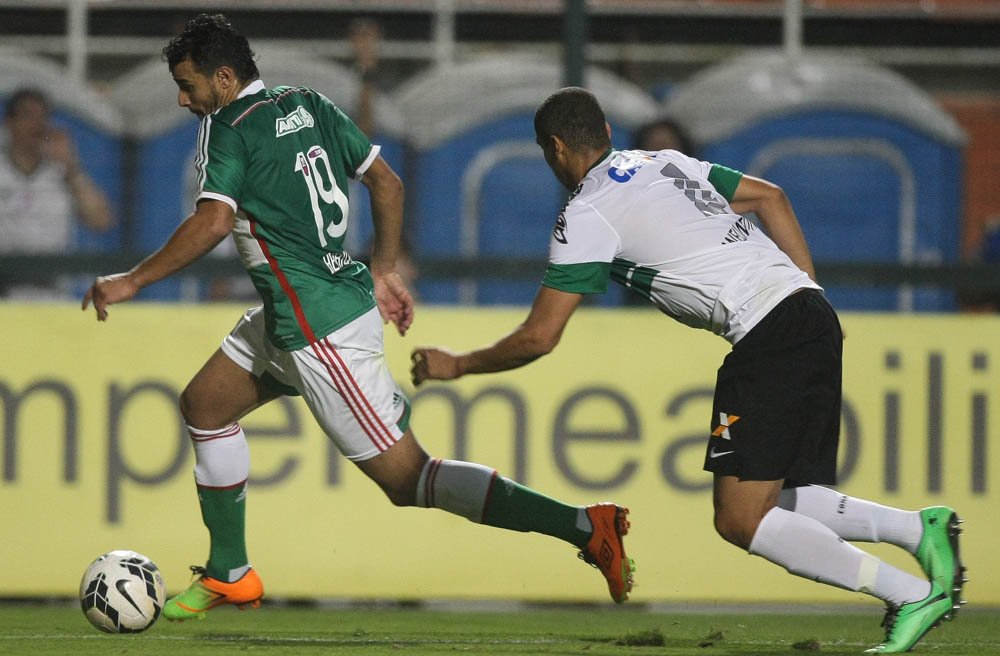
(273, 167)
(671, 228)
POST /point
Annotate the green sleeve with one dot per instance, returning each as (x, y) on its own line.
(725, 180)
(354, 144)
(225, 166)
(585, 278)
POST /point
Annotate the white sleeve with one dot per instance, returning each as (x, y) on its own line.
(582, 235)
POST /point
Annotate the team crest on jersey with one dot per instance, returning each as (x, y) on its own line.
(293, 122)
(559, 232)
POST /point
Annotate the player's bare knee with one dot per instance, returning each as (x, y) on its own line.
(196, 412)
(734, 529)
(400, 495)
(188, 407)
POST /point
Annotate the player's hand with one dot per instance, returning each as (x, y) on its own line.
(433, 364)
(394, 301)
(108, 290)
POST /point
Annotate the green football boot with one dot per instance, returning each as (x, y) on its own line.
(905, 625)
(938, 553)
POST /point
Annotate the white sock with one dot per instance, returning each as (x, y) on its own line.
(807, 548)
(456, 487)
(222, 457)
(855, 519)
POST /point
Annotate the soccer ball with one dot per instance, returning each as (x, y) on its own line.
(122, 592)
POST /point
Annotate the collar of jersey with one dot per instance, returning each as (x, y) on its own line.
(607, 154)
(254, 87)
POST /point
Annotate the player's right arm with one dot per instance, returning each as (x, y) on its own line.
(386, 189)
(211, 222)
(769, 202)
(537, 336)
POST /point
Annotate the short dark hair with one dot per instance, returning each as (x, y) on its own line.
(22, 95)
(211, 42)
(574, 115)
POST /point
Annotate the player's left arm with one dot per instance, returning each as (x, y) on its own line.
(772, 207)
(211, 222)
(537, 336)
(386, 190)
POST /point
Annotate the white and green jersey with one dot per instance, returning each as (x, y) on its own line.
(281, 158)
(661, 224)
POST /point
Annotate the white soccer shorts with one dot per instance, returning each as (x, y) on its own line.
(343, 378)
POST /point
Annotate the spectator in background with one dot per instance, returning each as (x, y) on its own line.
(44, 190)
(663, 134)
(365, 35)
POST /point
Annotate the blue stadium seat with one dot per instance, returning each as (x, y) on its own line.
(870, 163)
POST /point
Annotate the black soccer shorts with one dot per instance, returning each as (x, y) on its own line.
(776, 413)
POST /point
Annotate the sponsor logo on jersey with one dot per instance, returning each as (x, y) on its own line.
(739, 231)
(337, 261)
(725, 421)
(297, 120)
(559, 232)
(626, 165)
(624, 174)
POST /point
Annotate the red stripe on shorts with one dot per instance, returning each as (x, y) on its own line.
(356, 400)
(341, 381)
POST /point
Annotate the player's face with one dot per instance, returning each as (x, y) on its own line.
(196, 92)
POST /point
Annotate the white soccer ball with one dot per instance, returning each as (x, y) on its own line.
(122, 592)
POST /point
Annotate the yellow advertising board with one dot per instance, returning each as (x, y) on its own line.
(95, 456)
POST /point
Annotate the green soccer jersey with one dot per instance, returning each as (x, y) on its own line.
(281, 158)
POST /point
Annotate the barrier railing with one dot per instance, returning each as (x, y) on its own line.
(969, 277)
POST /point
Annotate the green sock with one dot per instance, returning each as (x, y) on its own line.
(519, 508)
(224, 513)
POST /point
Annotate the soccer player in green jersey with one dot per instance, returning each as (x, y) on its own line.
(273, 166)
(670, 227)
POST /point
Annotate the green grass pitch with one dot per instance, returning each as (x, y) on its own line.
(38, 629)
